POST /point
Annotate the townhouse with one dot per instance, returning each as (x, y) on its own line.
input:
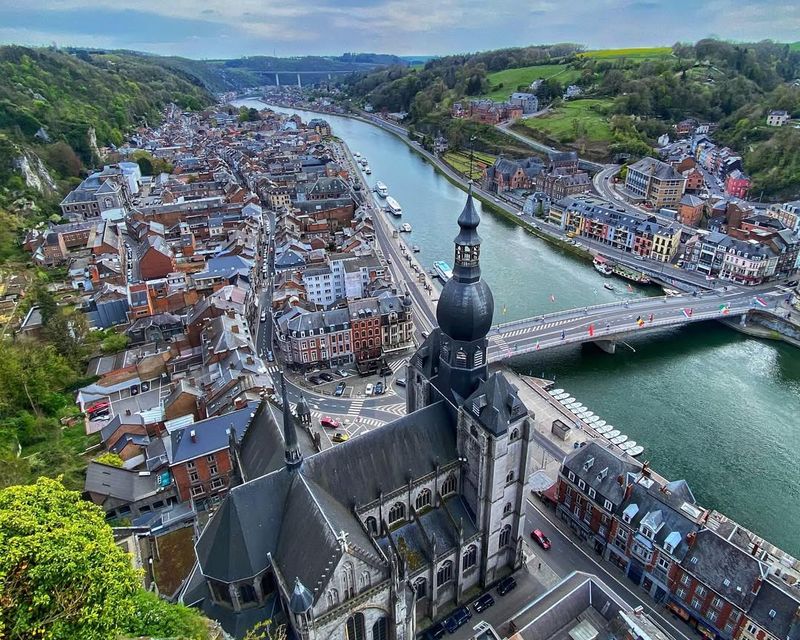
(655, 182)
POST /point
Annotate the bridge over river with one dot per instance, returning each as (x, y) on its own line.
(608, 324)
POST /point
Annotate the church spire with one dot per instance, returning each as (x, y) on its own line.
(292, 455)
(467, 266)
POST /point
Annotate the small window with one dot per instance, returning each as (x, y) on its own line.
(397, 512)
(505, 536)
(217, 483)
(510, 476)
(507, 509)
(514, 434)
(444, 574)
(470, 557)
(581, 484)
(685, 579)
(449, 485)
(592, 493)
(421, 587)
(607, 504)
(571, 476)
(423, 499)
(372, 525)
(700, 591)
(197, 491)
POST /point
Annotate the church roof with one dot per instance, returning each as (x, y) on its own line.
(495, 404)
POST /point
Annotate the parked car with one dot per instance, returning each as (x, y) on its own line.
(342, 373)
(330, 423)
(270, 356)
(542, 540)
(340, 437)
(327, 377)
(457, 619)
(400, 382)
(340, 389)
(386, 371)
(483, 603)
(368, 390)
(435, 632)
(378, 388)
(506, 585)
(315, 379)
(96, 406)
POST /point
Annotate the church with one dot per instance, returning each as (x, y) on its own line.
(378, 536)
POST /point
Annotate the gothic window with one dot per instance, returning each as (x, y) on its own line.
(333, 597)
(267, 583)
(449, 485)
(421, 586)
(505, 536)
(397, 512)
(510, 476)
(247, 594)
(365, 580)
(354, 629)
(514, 434)
(470, 557)
(507, 509)
(380, 629)
(220, 591)
(444, 574)
(349, 581)
(423, 499)
(372, 526)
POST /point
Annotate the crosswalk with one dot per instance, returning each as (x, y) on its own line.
(519, 332)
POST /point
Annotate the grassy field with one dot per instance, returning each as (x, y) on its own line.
(795, 46)
(574, 119)
(512, 78)
(640, 53)
(459, 160)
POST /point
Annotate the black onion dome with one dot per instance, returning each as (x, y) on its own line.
(465, 310)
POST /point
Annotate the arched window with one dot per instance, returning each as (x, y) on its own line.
(349, 581)
(365, 580)
(372, 525)
(461, 357)
(220, 591)
(423, 499)
(333, 597)
(267, 583)
(397, 512)
(470, 557)
(510, 476)
(507, 509)
(449, 485)
(514, 434)
(354, 629)
(505, 536)
(444, 574)
(380, 630)
(247, 594)
(421, 587)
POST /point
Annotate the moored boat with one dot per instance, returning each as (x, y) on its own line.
(612, 434)
(444, 273)
(405, 227)
(393, 206)
(635, 451)
(381, 189)
(602, 265)
(619, 439)
(628, 444)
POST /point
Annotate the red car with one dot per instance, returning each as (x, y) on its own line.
(97, 406)
(542, 540)
(330, 423)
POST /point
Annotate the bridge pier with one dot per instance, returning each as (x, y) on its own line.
(299, 84)
(277, 81)
(609, 346)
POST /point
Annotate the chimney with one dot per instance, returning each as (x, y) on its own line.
(193, 435)
(628, 491)
(690, 538)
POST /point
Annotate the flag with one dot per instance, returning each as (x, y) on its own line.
(687, 312)
(504, 309)
(761, 301)
(537, 345)
(591, 330)
(639, 321)
(552, 298)
(724, 308)
(630, 288)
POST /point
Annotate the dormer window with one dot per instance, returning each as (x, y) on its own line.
(602, 475)
(647, 532)
(571, 476)
(588, 464)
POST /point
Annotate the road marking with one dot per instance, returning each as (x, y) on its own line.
(635, 595)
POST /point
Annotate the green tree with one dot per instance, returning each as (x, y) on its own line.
(110, 459)
(115, 342)
(63, 577)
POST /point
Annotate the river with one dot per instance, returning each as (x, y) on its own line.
(708, 404)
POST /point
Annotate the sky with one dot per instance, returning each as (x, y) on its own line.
(235, 28)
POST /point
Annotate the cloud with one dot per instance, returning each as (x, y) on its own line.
(222, 28)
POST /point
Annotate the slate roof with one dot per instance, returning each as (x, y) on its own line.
(656, 168)
(725, 568)
(119, 483)
(603, 472)
(211, 434)
(775, 610)
(495, 404)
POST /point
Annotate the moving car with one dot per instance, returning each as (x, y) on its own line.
(330, 423)
(340, 437)
(458, 618)
(483, 603)
(340, 389)
(327, 377)
(542, 540)
(400, 382)
(378, 388)
(263, 316)
(368, 390)
(270, 356)
(506, 585)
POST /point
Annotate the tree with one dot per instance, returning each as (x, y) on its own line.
(63, 576)
(115, 342)
(63, 159)
(110, 459)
